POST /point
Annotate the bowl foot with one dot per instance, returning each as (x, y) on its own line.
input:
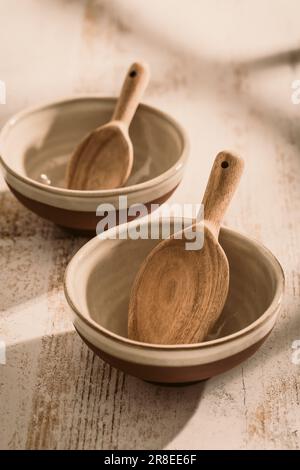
(174, 385)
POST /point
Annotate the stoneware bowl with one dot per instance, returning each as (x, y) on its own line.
(35, 146)
(97, 287)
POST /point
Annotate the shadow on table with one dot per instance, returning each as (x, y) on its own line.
(200, 72)
(31, 250)
(76, 401)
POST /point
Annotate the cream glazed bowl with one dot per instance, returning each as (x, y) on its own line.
(36, 144)
(98, 281)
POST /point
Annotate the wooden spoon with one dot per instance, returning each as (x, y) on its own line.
(104, 159)
(178, 294)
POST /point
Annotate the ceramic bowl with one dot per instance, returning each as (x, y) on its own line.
(97, 286)
(35, 146)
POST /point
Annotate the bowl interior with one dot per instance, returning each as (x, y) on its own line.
(38, 144)
(104, 275)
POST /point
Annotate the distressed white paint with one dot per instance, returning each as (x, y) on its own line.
(225, 70)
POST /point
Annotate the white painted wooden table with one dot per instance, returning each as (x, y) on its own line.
(224, 69)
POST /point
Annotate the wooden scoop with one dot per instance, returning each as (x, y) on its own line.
(104, 159)
(178, 294)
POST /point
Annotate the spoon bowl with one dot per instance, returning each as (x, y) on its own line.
(165, 305)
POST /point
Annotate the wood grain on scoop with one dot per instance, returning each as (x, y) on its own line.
(104, 159)
(179, 294)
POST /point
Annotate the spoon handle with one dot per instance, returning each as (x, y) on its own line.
(135, 83)
(223, 181)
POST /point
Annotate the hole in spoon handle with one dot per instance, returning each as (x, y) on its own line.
(135, 83)
(133, 73)
(224, 164)
(223, 181)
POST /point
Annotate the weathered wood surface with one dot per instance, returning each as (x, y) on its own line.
(225, 69)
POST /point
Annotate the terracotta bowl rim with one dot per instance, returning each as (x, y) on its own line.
(151, 183)
(269, 312)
